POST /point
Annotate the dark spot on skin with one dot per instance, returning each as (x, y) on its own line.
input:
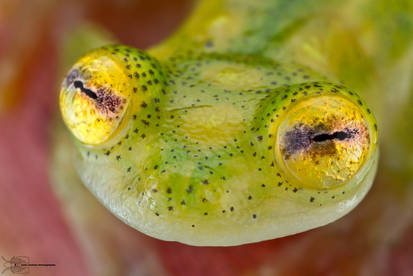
(209, 44)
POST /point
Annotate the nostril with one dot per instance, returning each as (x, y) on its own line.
(88, 92)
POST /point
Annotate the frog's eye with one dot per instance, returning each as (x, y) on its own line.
(94, 97)
(324, 138)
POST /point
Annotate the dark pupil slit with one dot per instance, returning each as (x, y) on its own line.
(88, 92)
(339, 135)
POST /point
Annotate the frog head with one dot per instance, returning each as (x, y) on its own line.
(217, 149)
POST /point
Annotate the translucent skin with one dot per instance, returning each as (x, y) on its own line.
(211, 143)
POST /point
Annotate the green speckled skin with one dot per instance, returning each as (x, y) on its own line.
(194, 155)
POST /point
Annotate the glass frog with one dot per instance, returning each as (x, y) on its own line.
(212, 138)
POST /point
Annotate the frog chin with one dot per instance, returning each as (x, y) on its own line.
(304, 217)
(280, 216)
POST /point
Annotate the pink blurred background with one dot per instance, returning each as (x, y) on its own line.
(375, 239)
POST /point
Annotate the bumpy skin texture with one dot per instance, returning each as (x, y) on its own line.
(207, 140)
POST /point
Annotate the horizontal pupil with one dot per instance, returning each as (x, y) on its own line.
(340, 135)
(88, 92)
